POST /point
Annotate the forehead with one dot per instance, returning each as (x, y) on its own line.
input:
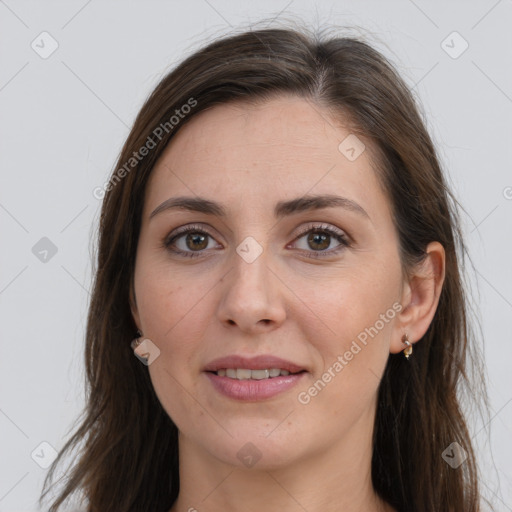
(260, 153)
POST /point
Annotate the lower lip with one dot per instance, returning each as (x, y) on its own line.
(251, 389)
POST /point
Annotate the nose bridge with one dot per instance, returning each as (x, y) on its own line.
(249, 279)
(251, 293)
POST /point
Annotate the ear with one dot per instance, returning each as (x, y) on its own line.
(133, 306)
(420, 298)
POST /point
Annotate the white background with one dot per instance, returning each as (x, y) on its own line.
(63, 120)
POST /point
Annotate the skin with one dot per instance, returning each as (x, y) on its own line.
(314, 456)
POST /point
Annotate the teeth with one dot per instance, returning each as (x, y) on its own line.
(259, 374)
(245, 373)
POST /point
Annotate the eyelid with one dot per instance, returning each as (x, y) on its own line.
(171, 238)
(306, 228)
(187, 229)
(320, 226)
(343, 238)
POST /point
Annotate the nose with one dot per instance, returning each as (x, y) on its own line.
(252, 297)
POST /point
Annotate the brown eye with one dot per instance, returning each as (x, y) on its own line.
(196, 241)
(189, 241)
(319, 241)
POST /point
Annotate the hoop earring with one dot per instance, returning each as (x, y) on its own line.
(408, 349)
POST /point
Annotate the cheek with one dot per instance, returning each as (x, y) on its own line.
(345, 305)
(351, 331)
(170, 302)
(353, 359)
(174, 317)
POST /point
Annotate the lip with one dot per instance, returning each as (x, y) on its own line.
(253, 363)
(253, 390)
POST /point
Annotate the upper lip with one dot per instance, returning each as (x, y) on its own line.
(261, 362)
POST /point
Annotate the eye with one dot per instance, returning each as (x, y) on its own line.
(317, 239)
(189, 241)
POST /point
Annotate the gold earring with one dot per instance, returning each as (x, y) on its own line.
(408, 350)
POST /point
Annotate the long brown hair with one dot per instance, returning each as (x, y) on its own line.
(128, 445)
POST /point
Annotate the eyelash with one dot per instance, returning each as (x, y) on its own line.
(313, 228)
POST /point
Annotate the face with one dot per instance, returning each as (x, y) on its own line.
(260, 275)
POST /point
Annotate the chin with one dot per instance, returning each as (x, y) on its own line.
(257, 448)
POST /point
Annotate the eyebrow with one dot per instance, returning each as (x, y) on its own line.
(282, 208)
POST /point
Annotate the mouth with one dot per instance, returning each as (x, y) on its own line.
(253, 379)
(248, 374)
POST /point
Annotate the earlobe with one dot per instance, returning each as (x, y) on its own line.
(420, 297)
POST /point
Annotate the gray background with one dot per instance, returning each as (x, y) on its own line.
(63, 120)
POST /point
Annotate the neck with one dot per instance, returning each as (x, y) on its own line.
(337, 479)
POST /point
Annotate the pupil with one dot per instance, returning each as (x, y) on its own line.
(318, 238)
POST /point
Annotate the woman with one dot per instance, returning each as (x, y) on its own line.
(278, 240)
